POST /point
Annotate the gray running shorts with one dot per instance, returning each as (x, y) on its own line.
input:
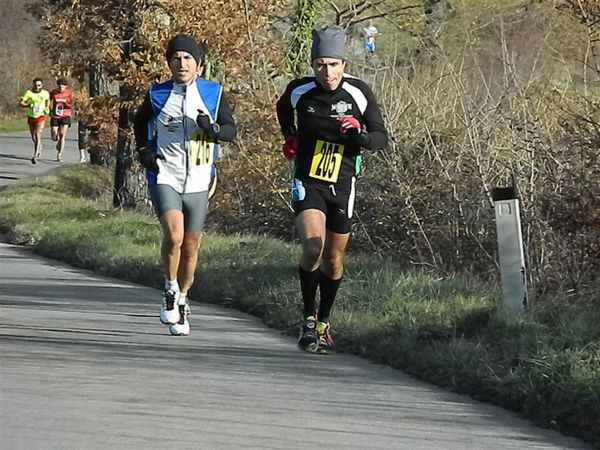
(194, 206)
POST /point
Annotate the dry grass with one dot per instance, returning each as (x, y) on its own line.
(20, 56)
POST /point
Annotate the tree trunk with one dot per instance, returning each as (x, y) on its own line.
(298, 52)
(436, 11)
(130, 187)
(99, 84)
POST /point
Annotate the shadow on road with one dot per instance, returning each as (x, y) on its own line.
(13, 156)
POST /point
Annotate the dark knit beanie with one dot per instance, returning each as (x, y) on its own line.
(328, 42)
(185, 43)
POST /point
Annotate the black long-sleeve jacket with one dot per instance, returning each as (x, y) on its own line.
(325, 153)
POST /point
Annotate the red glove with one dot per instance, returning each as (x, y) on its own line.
(349, 125)
(290, 147)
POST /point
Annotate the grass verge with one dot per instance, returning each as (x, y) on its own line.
(13, 124)
(17, 124)
(544, 364)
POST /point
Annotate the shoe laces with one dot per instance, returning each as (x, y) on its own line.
(182, 314)
(170, 298)
(324, 332)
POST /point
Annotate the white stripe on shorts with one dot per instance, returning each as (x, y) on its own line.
(351, 197)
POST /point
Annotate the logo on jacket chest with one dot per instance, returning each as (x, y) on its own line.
(172, 124)
(341, 108)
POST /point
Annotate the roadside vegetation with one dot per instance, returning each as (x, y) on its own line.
(21, 57)
(449, 330)
(13, 125)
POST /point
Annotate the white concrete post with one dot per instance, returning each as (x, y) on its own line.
(510, 248)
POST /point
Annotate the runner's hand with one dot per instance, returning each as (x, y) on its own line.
(148, 159)
(203, 121)
(349, 125)
(290, 147)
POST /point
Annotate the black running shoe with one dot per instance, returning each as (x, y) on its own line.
(308, 340)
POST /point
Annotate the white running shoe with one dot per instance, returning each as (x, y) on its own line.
(182, 327)
(188, 310)
(169, 313)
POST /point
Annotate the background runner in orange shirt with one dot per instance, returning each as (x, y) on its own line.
(61, 100)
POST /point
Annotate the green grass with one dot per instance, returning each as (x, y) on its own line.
(451, 331)
(17, 124)
(13, 124)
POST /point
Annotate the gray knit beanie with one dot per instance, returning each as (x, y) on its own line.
(328, 42)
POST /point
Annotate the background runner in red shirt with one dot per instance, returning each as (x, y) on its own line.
(61, 100)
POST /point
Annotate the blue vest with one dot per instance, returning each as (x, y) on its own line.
(209, 91)
(210, 94)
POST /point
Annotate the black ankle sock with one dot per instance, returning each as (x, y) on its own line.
(309, 281)
(328, 289)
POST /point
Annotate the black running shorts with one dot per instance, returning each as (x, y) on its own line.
(56, 121)
(336, 201)
(194, 206)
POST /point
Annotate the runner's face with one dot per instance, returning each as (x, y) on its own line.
(183, 67)
(329, 71)
(37, 86)
(62, 87)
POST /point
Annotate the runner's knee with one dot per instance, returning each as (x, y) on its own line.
(311, 250)
(190, 244)
(332, 263)
(174, 238)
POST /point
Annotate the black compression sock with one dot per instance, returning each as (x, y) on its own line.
(309, 281)
(329, 290)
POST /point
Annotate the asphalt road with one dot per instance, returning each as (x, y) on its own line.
(16, 150)
(85, 364)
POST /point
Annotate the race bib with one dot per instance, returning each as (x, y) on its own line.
(37, 109)
(58, 110)
(202, 151)
(327, 161)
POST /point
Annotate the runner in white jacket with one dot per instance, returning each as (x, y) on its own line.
(177, 130)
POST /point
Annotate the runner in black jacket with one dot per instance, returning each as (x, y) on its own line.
(326, 119)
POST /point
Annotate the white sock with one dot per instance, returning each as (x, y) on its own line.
(172, 285)
(181, 299)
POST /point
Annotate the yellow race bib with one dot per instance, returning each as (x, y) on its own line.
(202, 150)
(327, 161)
